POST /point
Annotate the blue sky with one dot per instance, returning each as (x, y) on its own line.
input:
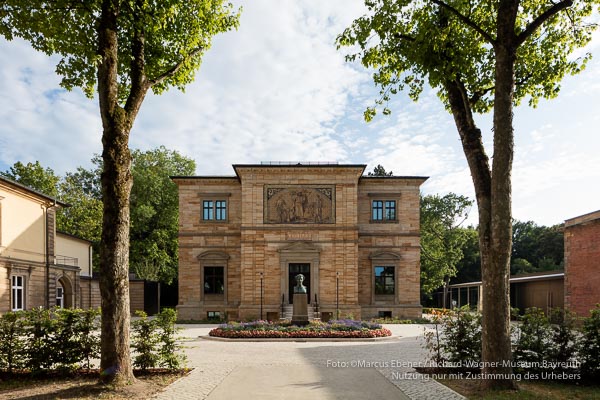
(277, 89)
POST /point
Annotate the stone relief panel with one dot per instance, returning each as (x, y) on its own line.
(299, 204)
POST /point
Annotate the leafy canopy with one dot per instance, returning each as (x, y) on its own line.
(176, 33)
(410, 43)
(442, 238)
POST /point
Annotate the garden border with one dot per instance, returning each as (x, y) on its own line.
(299, 339)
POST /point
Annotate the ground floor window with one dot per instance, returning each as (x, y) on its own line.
(214, 282)
(18, 292)
(385, 314)
(213, 315)
(60, 295)
(385, 282)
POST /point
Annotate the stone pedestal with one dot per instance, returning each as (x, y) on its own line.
(300, 309)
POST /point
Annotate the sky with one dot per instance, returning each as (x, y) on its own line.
(278, 90)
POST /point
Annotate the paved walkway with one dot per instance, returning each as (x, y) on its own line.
(301, 370)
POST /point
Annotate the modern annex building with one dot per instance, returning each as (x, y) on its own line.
(243, 239)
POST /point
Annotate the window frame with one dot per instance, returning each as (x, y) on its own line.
(384, 282)
(380, 209)
(217, 210)
(60, 288)
(17, 292)
(206, 276)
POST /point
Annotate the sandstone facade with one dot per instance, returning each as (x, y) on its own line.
(243, 238)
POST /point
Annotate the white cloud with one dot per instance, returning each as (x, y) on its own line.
(278, 89)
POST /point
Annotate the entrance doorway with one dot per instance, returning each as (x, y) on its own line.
(295, 269)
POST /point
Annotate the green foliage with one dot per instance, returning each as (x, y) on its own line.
(40, 330)
(170, 354)
(144, 342)
(155, 341)
(75, 338)
(455, 337)
(176, 33)
(533, 339)
(564, 339)
(88, 336)
(155, 212)
(442, 239)
(462, 331)
(410, 44)
(379, 170)
(35, 176)
(589, 349)
(536, 248)
(12, 343)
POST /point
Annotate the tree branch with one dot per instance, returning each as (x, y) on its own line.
(466, 20)
(172, 71)
(536, 23)
(139, 85)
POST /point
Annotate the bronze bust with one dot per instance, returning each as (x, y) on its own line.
(299, 288)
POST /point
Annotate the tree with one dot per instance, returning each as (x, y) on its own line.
(442, 238)
(35, 176)
(541, 246)
(380, 171)
(123, 49)
(478, 55)
(154, 212)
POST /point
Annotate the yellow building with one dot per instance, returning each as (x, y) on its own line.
(38, 266)
(243, 239)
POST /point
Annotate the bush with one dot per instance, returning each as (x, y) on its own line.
(533, 340)
(169, 352)
(39, 350)
(155, 341)
(462, 333)
(144, 342)
(562, 348)
(12, 343)
(589, 350)
(456, 337)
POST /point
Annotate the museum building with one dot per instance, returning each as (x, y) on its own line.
(244, 238)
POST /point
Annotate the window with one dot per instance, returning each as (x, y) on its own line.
(383, 210)
(213, 280)
(385, 282)
(213, 315)
(385, 314)
(214, 210)
(60, 296)
(18, 292)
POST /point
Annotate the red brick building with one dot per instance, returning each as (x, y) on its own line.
(582, 263)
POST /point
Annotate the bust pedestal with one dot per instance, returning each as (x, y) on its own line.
(300, 309)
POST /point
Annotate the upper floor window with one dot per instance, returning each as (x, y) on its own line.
(18, 292)
(383, 210)
(214, 210)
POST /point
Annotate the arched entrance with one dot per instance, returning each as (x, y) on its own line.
(64, 293)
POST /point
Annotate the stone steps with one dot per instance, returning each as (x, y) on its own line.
(288, 312)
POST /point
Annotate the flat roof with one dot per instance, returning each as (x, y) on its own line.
(29, 190)
(535, 276)
(594, 215)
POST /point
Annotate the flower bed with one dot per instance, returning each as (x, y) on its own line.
(332, 329)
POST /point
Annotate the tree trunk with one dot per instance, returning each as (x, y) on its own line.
(115, 362)
(495, 274)
(492, 191)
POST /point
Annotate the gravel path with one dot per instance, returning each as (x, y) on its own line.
(321, 370)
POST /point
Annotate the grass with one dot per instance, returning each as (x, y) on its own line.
(528, 390)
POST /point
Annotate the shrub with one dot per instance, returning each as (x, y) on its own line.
(462, 331)
(589, 350)
(533, 339)
(433, 340)
(12, 343)
(40, 349)
(564, 339)
(144, 342)
(169, 352)
(89, 339)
